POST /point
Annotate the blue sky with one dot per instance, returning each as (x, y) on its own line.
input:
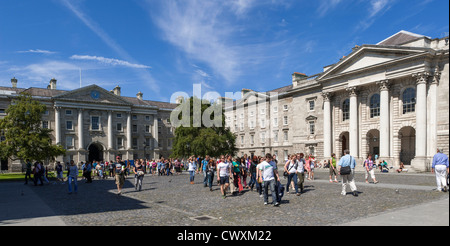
(161, 47)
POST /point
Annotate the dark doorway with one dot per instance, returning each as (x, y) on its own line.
(4, 165)
(95, 152)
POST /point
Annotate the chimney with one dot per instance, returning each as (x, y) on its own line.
(244, 92)
(117, 91)
(296, 77)
(52, 85)
(14, 82)
(140, 96)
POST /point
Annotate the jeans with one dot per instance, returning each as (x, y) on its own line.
(138, 182)
(73, 180)
(205, 178)
(191, 176)
(271, 184)
(292, 177)
(252, 180)
(210, 179)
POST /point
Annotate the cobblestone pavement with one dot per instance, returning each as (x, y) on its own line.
(172, 201)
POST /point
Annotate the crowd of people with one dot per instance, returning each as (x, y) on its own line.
(232, 174)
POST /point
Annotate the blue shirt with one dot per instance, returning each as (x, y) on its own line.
(205, 164)
(347, 160)
(440, 159)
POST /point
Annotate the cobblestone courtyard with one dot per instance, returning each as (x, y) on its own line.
(172, 201)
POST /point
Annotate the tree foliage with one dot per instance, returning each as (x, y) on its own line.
(24, 136)
(204, 132)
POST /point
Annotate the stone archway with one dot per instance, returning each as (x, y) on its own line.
(95, 152)
(344, 142)
(407, 136)
(373, 142)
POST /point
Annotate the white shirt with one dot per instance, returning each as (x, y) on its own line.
(223, 169)
(267, 170)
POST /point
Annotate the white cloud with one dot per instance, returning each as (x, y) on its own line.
(327, 5)
(145, 76)
(39, 51)
(377, 6)
(109, 61)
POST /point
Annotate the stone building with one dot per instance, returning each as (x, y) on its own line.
(96, 124)
(390, 99)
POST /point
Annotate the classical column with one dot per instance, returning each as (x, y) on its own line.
(432, 117)
(129, 140)
(57, 125)
(155, 137)
(384, 119)
(327, 124)
(421, 113)
(353, 131)
(80, 130)
(110, 130)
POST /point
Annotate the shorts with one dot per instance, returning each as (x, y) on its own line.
(119, 180)
(224, 180)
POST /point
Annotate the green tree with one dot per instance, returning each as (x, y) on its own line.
(201, 131)
(24, 137)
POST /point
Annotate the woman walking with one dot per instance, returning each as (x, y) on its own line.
(333, 168)
(138, 175)
(291, 169)
(368, 164)
(72, 177)
(210, 169)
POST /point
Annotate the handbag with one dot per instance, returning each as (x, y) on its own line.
(347, 169)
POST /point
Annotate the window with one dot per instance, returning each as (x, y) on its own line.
(275, 109)
(286, 136)
(69, 125)
(263, 111)
(119, 142)
(135, 128)
(134, 117)
(409, 100)
(242, 139)
(275, 136)
(263, 137)
(263, 123)
(285, 107)
(346, 110)
(285, 120)
(68, 112)
(275, 122)
(147, 142)
(252, 139)
(242, 126)
(45, 124)
(375, 105)
(70, 142)
(147, 117)
(135, 142)
(312, 127)
(119, 127)
(95, 123)
(252, 124)
(118, 115)
(312, 104)
(147, 129)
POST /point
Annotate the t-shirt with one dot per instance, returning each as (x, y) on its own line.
(267, 170)
(223, 169)
(192, 166)
(236, 167)
(119, 166)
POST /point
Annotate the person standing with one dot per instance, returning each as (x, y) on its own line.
(59, 172)
(270, 176)
(38, 173)
(252, 172)
(191, 169)
(72, 177)
(347, 162)
(440, 168)
(237, 175)
(204, 169)
(333, 168)
(210, 169)
(138, 170)
(119, 170)
(28, 171)
(301, 172)
(369, 164)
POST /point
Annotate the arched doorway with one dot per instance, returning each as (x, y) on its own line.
(344, 139)
(373, 142)
(95, 152)
(407, 137)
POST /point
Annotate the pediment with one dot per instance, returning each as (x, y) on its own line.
(252, 98)
(92, 94)
(369, 56)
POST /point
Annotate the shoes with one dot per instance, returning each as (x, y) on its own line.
(276, 204)
(265, 203)
(355, 193)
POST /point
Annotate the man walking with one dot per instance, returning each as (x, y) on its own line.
(269, 171)
(346, 162)
(440, 167)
